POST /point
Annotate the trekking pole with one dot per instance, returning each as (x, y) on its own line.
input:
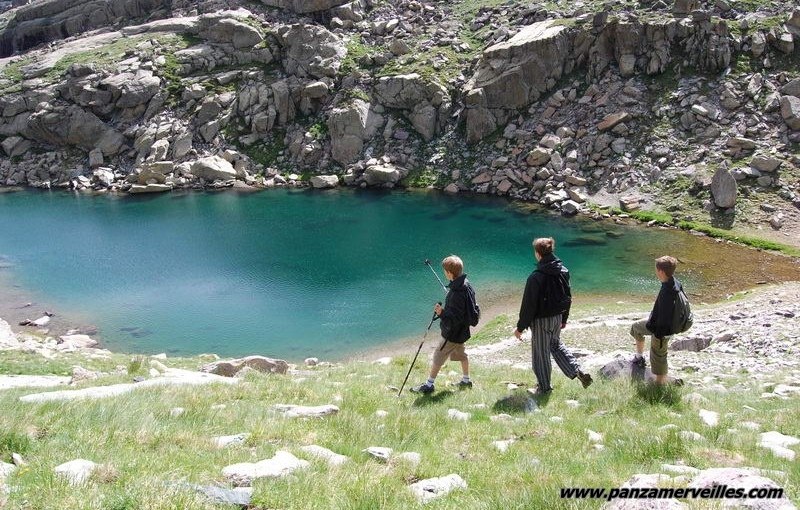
(428, 263)
(417, 354)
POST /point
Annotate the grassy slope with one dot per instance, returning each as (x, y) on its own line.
(147, 448)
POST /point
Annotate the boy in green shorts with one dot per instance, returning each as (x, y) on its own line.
(659, 324)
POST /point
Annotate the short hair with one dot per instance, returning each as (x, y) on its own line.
(667, 264)
(453, 265)
(544, 246)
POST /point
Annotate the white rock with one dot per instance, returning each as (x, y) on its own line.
(412, 458)
(311, 362)
(380, 413)
(223, 441)
(455, 414)
(501, 417)
(281, 464)
(76, 342)
(750, 425)
(41, 321)
(668, 426)
(295, 411)
(158, 365)
(679, 470)
(153, 372)
(161, 356)
(426, 490)
(383, 361)
(785, 390)
(173, 377)
(333, 458)
(573, 403)
(176, 411)
(18, 460)
(779, 444)
(695, 398)
(7, 337)
(503, 445)
(594, 437)
(710, 418)
(76, 471)
(5, 470)
(324, 181)
(557, 419)
(32, 381)
(689, 435)
(744, 478)
(381, 453)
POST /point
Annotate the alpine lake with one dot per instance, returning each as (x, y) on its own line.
(297, 273)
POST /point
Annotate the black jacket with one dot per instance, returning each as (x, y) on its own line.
(660, 321)
(454, 321)
(532, 308)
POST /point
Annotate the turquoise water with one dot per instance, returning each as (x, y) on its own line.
(291, 273)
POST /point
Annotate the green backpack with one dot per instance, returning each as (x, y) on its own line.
(682, 318)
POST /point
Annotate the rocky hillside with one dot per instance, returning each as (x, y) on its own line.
(689, 108)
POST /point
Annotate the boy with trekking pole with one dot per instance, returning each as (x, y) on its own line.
(671, 314)
(460, 311)
(545, 308)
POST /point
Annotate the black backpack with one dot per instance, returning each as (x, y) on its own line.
(473, 309)
(682, 318)
(555, 295)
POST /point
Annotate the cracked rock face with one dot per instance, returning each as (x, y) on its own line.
(305, 6)
(311, 51)
(72, 125)
(424, 103)
(66, 18)
(516, 73)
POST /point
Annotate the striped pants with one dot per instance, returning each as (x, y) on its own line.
(546, 340)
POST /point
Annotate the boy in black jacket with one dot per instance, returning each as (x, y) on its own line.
(659, 324)
(454, 324)
(545, 309)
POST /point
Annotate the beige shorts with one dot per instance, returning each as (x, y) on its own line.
(445, 350)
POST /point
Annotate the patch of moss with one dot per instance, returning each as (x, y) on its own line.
(265, 152)
(668, 219)
(319, 129)
(356, 50)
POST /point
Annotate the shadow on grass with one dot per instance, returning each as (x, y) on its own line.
(657, 394)
(520, 402)
(431, 399)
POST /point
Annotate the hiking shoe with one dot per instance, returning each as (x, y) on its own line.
(638, 361)
(538, 392)
(464, 385)
(677, 381)
(425, 389)
(585, 379)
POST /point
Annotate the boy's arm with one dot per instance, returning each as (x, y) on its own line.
(565, 314)
(527, 309)
(661, 319)
(455, 309)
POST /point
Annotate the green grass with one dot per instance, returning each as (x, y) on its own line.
(147, 451)
(669, 219)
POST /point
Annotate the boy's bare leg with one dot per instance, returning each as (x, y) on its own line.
(661, 379)
(465, 367)
(640, 346)
(435, 371)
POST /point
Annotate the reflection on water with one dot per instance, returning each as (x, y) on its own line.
(296, 273)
